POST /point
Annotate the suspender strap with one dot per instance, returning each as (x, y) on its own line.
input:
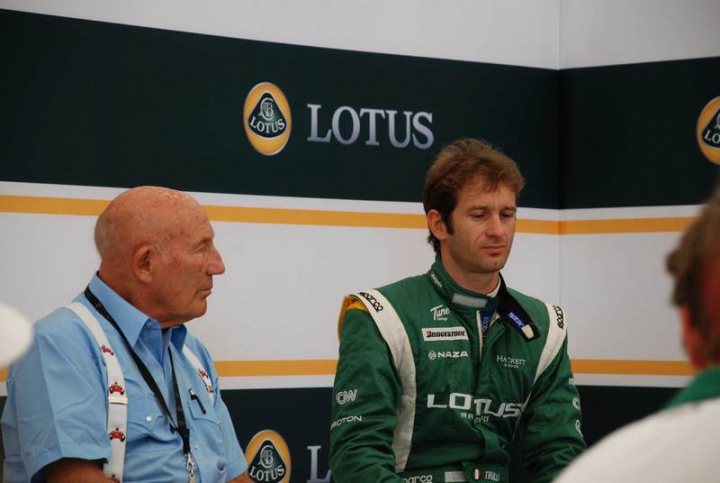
(117, 398)
(393, 331)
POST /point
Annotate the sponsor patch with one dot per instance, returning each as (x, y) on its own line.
(433, 355)
(373, 301)
(510, 361)
(418, 479)
(344, 397)
(559, 316)
(440, 312)
(346, 419)
(444, 333)
(436, 280)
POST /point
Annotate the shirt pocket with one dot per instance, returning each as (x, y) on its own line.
(201, 408)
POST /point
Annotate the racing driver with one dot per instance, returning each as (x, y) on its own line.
(439, 373)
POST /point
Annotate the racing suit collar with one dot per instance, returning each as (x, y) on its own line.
(458, 296)
(466, 301)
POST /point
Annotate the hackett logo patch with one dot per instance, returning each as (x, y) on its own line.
(444, 333)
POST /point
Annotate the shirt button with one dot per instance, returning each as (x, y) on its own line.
(221, 466)
(148, 418)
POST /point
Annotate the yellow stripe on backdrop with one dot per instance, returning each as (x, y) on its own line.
(85, 207)
(89, 207)
(326, 367)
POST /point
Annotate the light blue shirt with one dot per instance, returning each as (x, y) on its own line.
(57, 400)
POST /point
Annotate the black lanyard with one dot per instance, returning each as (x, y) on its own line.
(181, 427)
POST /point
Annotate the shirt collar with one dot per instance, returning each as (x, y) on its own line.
(129, 318)
(457, 295)
(706, 385)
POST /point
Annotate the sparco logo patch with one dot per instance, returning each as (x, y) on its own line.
(708, 131)
(418, 479)
(560, 317)
(268, 457)
(445, 333)
(267, 118)
(373, 301)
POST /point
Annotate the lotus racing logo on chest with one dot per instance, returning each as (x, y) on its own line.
(267, 118)
(268, 458)
(477, 409)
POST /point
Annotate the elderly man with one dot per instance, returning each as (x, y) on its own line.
(680, 443)
(114, 387)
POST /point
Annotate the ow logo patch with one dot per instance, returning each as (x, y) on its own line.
(344, 397)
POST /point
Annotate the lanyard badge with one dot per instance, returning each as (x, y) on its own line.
(190, 465)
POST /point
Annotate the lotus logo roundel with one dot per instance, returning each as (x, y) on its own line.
(708, 130)
(267, 118)
(268, 457)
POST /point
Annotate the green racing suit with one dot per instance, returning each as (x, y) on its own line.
(434, 382)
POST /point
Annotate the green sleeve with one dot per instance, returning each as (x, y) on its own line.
(365, 397)
(553, 436)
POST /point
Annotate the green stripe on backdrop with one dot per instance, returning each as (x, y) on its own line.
(304, 424)
(91, 103)
(628, 134)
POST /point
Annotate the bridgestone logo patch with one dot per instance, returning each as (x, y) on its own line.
(444, 333)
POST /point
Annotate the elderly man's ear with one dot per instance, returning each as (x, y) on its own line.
(143, 263)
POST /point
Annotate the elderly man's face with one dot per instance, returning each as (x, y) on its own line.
(182, 279)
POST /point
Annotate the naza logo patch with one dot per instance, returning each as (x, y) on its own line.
(268, 458)
(267, 118)
(708, 130)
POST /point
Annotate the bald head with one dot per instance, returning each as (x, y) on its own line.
(146, 214)
(156, 249)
